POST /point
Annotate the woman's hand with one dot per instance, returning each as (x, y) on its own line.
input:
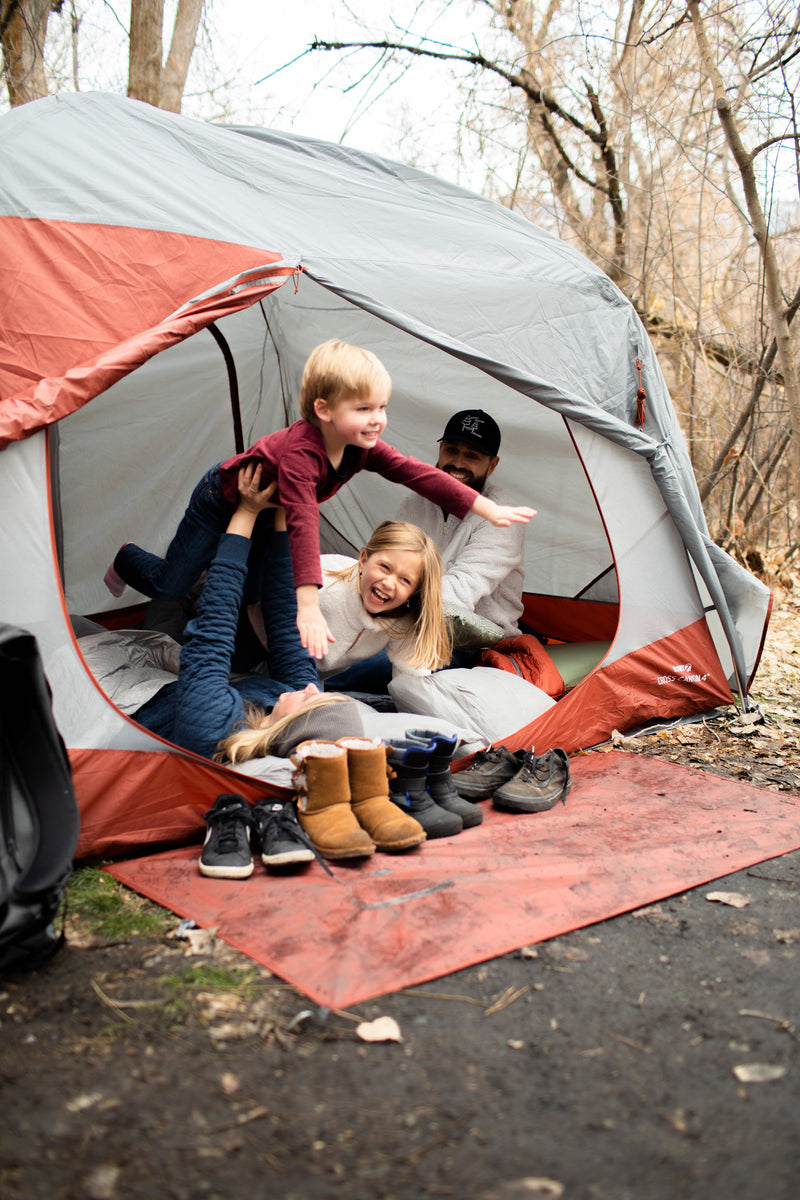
(252, 497)
(252, 500)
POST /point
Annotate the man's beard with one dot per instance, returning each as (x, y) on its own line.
(477, 482)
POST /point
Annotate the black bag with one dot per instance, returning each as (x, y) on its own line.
(39, 820)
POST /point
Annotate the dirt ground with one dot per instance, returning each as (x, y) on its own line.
(649, 1057)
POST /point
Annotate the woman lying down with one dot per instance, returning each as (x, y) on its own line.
(344, 804)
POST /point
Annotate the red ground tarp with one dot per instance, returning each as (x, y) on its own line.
(633, 831)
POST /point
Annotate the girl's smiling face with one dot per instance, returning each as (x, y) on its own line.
(387, 579)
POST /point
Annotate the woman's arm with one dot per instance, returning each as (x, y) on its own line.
(207, 706)
(288, 660)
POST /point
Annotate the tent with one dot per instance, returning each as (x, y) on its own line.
(161, 284)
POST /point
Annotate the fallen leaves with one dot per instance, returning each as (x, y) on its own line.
(759, 1072)
(788, 936)
(382, 1029)
(733, 899)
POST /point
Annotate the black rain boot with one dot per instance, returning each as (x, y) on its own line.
(407, 790)
(440, 785)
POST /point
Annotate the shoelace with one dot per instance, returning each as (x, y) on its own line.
(484, 756)
(286, 822)
(225, 824)
(535, 767)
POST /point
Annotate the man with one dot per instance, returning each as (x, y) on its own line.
(482, 565)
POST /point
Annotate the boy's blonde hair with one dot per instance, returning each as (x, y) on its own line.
(422, 623)
(335, 371)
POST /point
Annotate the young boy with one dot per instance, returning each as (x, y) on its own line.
(343, 397)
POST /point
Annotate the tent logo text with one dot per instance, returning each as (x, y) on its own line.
(681, 673)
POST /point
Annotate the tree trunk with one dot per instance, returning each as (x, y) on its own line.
(148, 80)
(23, 26)
(145, 51)
(184, 35)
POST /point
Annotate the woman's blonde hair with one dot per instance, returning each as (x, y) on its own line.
(250, 740)
(335, 371)
(422, 623)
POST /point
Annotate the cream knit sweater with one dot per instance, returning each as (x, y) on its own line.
(358, 635)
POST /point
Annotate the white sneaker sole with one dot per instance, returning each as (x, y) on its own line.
(226, 872)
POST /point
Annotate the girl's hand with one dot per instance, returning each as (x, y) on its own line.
(252, 497)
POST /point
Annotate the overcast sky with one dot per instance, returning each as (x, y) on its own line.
(251, 67)
(256, 38)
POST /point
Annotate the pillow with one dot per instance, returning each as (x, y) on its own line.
(470, 631)
(492, 702)
(131, 665)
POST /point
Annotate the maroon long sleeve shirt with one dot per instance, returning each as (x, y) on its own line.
(295, 457)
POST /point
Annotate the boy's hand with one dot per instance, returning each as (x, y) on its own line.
(501, 514)
(504, 515)
(252, 497)
(314, 632)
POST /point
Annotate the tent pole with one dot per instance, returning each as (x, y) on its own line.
(233, 384)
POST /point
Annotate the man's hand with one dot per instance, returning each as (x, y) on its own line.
(314, 632)
(502, 515)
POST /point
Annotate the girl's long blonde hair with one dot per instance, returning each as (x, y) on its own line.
(250, 740)
(422, 623)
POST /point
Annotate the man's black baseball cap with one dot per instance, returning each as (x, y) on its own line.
(474, 428)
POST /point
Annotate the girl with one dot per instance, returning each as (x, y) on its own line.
(390, 598)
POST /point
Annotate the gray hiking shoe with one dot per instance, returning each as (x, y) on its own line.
(538, 785)
(489, 771)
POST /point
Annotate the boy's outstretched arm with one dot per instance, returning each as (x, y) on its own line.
(501, 514)
(314, 632)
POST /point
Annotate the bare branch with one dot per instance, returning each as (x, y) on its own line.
(536, 94)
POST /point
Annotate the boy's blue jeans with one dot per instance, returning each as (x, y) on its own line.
(190, 552)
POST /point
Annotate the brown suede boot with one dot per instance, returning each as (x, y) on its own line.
(322, 792)
(389, 828)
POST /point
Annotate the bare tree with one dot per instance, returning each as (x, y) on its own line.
(624, 155)
(23, 33)
(23, 28)
(149, 79)
(745, 162)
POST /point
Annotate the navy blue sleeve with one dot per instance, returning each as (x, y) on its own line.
(288, 661)
(207, 705)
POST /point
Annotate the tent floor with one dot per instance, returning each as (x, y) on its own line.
(634, 830)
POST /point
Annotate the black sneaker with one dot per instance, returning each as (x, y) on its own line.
(540, 783)
(490, 770)
(226, 851)
(278, 836)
